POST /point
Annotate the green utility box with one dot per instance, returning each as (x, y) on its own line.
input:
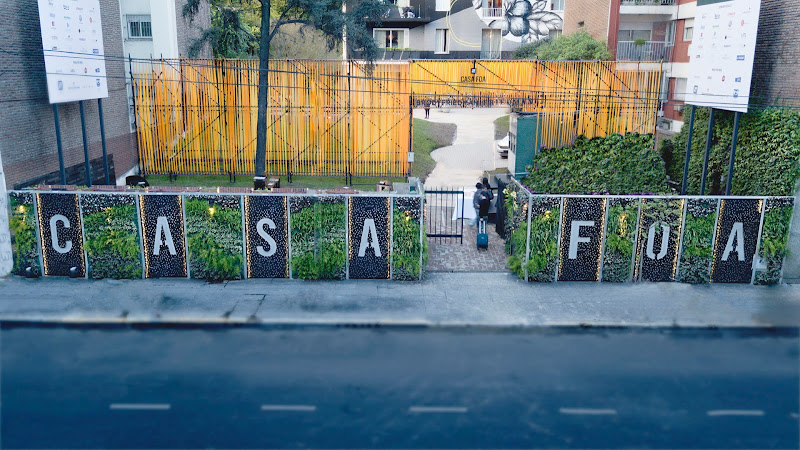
(524, 142)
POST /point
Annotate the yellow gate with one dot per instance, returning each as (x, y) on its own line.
(341, 118)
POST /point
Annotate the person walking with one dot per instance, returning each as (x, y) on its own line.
(476, 203)
(427, 108)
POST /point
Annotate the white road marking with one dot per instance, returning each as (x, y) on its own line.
(438, 409)
(588, 411)
(795, 415)
(296, 408)
(735, 412)
(140, 406)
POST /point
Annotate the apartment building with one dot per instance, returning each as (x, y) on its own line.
(464, 29)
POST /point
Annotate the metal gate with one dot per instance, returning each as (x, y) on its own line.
(444, 214)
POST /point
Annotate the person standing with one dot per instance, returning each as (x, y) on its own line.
(427, 108)
(476, 202)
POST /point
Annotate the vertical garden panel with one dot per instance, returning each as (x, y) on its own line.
(267, 239)
(516, 204)
(112, 235)
(60, 234)
(214, 237)
(544, 234)
(22, 221)
(581, 238)
(659, 236)
(369, 237)
(620, 239)
(409, 253)
(774, 238)
(318, 232)
(737, 238)
(163, 238)
(697, 251)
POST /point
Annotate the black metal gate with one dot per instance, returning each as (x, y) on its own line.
(444, 214)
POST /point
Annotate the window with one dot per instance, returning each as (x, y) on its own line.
(443, 5)
(580, 24)
(554, 34)
(557, 5)
(390, 38)
(442, 40)
(139, 27)
(632, 35)
(687, 33)
(680, 89)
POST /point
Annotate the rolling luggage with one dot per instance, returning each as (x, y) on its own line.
(483, 238)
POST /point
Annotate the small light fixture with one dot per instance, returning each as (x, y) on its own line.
(74, 272)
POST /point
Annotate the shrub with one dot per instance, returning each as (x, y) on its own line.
(579, 46)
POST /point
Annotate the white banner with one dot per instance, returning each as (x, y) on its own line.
(722, 51)
(72, 41)
(6, 258)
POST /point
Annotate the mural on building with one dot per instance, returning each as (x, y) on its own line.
(520, 20)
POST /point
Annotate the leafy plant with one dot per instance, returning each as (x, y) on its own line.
(318, 238)
(767, 152)
(657, 212)
(23, 234)
(620, 236)
(579, 46)
(774, 239)
(599, 165)
(698, 241)
(214, 237)
(544, 240)
(111, 236)
(406, 246)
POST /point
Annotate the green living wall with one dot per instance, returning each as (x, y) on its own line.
(406, 246)
(111, 234)
(697, 252)
(545, 224)
(516, 204)
(22, 222)
(620, 239)
(774, 239)
(767, 152)
(214, 237)
(318, 236)
(616, 164)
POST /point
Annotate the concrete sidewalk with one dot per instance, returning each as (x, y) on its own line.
(446, 299)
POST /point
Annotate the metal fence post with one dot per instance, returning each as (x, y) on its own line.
(528, 237)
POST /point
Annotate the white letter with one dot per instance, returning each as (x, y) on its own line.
(163, 227)
(369, 227)
(651, 234)
(737, 232)
(263, 233)
(575, 236)
(54, 234)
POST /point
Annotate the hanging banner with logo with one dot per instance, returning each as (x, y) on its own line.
(369, 237)
(737, 238)
(162, 229)
(659, 234)
(581, 238)
(265, 225)
(61, 234)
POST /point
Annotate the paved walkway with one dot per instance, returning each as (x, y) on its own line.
(450, 256)
(448, 299)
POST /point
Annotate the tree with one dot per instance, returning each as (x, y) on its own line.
(327, 16)
(578, 46)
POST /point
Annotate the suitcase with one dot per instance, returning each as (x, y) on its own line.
(483, 238)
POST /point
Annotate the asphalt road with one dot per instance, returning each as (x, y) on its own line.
(409, 388)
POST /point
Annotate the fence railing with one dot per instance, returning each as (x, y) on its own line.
(647, 51)
(492, 12)
(644, 238)
(229, 233)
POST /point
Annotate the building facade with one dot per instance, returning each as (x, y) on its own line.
(28, 133)
(464, 29)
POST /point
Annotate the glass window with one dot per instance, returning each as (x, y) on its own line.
(557, 5)
(390, 38)
(443, 5)
(442, 40)
(139, 27)
(687, 33)
(640, 34)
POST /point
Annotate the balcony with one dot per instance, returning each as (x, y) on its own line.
(655, 7)
(397, 16)
(647, 51)
(492, 12)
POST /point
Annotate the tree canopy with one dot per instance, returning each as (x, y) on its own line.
(578, 46)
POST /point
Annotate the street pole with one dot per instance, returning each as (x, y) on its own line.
(708, 150)
(688, 152)
(86, 164)
(61, 169)
(103, 140)
(733, 152)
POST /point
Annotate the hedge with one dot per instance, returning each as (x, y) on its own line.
(602, 165)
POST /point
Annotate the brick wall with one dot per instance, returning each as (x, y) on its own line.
(27, 133)
(593, 13)
(680, 52)
(776, 76)
(190, 31)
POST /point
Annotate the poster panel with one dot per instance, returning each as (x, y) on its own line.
(164, 240)
(61, 234)
(369, 237)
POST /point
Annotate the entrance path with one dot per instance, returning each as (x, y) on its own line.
(463, 163)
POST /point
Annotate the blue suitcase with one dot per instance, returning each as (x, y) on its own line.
(483, 238)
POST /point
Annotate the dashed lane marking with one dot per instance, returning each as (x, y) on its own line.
(735, 412)
(295, 408)
(437, 409)
(140, 406)
(588, 411)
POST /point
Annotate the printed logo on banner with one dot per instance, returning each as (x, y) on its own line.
(369, 237)
(162, 229)
(737, 237)
(659, 235)
(61, 234)
(581, 238)
(265, 222)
